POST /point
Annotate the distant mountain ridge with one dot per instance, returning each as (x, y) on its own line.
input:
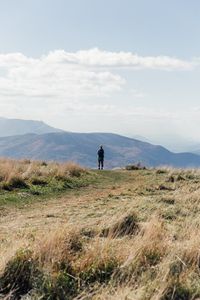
(11, 127)
(82, 148)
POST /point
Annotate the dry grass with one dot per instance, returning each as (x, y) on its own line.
(26, 169)
(127, 225)
(153, 253)
(25, 174)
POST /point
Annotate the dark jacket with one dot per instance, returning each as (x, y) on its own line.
(100, 154)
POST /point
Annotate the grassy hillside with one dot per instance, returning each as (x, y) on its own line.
(106, 235)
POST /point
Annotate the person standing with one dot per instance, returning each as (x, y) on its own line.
(100, 154)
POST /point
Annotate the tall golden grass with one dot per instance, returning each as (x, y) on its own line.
(25, 169)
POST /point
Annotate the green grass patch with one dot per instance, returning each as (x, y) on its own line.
(19, 192)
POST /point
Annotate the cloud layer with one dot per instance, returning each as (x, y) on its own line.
(61, 81)
(49, 76)
(79, 74)
(95, 57)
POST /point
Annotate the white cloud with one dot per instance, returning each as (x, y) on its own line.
(44, 78)
(69, 75)
(36, 87)
(76, 82)
(98, 58)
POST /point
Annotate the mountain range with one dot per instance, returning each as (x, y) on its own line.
(37, 140)
(10, 127)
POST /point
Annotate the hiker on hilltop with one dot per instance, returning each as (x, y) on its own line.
(100, 154)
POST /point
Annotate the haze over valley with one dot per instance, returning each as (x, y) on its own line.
(22, 139)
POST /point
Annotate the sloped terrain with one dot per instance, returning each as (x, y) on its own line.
(10, 127)
(123, 235)
(82, 148)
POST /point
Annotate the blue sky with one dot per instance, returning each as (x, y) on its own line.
(147, 27)
(130, 67)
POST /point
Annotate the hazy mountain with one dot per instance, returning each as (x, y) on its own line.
(172, 142)
(10, 127)
(82, 148)
(175, 143)
(140, 138)
(195, 149)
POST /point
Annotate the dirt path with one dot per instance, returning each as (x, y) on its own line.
(86, 207)
(70, 208)
(18, 226)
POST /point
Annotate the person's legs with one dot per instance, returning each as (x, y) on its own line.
(102, 164)
(99, 162)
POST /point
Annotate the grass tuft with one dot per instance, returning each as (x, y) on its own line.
(128, 225)
(177, 291)
(15, 182)
(133, 167)
(20, 275)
